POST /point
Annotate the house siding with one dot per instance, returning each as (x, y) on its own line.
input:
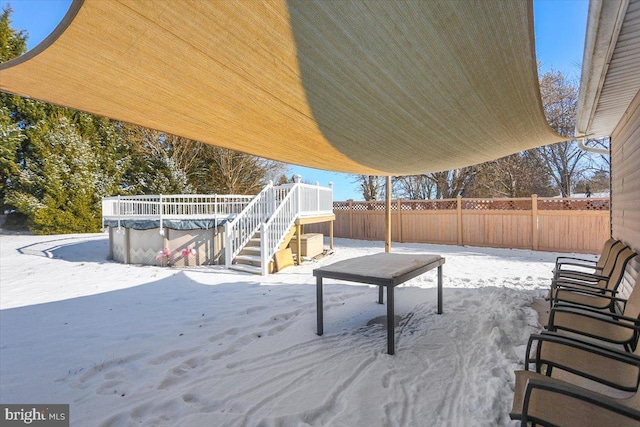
(625, 185)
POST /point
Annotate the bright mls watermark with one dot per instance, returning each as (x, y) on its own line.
(55, 415)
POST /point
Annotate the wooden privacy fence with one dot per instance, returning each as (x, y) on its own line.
(546, 224)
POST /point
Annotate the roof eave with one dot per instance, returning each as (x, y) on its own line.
(603, 28)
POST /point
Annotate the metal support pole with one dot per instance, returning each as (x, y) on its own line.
(391, 338)
(439, 289)
(319, 305)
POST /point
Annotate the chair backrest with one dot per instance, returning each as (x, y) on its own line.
(623, 258)
(614, 254)
(606, 251)
(632, 307)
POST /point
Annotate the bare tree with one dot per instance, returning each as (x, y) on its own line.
(156, 167)
(516, 175)
(415, 187)
(563, 161)
(372, 186)
(449, 184)
(232, 172)
(435, 185)
(168, 163)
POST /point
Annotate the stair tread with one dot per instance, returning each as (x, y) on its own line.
(250, 250)
(246, 268)
(253, 243)
(249, 258)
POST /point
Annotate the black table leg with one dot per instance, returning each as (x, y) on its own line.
(319, 305)
(391, 322)
(440, 289)
(380, 299)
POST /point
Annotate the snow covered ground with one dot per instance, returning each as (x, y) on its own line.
(139, 345)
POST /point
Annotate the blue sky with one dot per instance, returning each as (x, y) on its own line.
(559, 30)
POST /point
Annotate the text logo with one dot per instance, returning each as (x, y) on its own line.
(54, 415)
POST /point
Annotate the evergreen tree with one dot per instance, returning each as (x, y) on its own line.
(12, 44)
(11, 137)
(59, 188)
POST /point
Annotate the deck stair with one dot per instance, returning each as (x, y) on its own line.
(249, 260)
(267, 224)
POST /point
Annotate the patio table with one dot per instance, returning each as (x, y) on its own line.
(384, 270)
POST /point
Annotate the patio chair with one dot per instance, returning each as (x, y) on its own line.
(606, 326)
(607, 264)
(595, 296)
(550, 401)
(565, 265)
(606, 284)
(601, 363)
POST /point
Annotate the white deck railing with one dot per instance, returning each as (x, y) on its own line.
(189, 206)
(175, 206)
(315, 200)
(273, 211)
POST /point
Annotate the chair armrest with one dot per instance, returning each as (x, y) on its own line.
(581, 263)
(566, 284)
(574, 392)
(571, 259)
(581, 275)
(600, 293)
(593, 313)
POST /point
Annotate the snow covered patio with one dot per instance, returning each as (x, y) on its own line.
(143, 345)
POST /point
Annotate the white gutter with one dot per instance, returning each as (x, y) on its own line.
(584, 147)
(604, 23)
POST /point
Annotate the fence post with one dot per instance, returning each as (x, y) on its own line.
(350, 218)
(534, 221)
(459, 218)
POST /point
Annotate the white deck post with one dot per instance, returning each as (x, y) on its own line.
(119, 228)
(215, 212)
(297, 179)
(161, 229)
(264, 241)
(227, 245)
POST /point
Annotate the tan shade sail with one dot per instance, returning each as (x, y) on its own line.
(375, 87)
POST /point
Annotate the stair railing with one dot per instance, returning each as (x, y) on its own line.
(276, 228)
(239, 231)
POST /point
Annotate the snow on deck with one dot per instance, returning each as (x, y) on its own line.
(141, 345)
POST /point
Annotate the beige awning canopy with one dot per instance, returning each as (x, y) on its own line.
(375, 87)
